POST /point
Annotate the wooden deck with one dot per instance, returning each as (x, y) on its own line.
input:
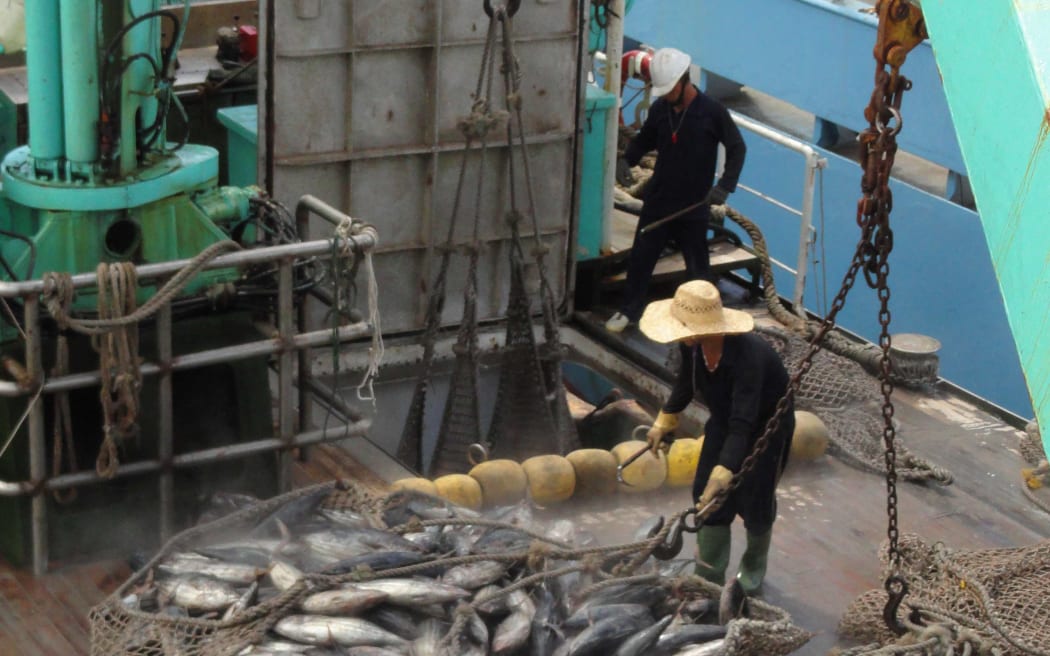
(832, 521)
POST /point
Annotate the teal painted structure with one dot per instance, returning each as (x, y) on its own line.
(600, 107)
(44, 73)
(242, 143)
(993, 59)
(941, 271)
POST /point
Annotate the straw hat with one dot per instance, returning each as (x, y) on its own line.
(695, 311)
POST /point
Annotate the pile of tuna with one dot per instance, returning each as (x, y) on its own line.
(421, 576)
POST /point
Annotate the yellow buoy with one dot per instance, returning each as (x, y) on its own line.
(681, 461)
(646, 473)
(502, 481)
(459, 489)
(810, 440)
(424, 485)
(551, 478)
(595, 471)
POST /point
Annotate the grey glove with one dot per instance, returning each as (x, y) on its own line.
(717, 196)
(624, 177)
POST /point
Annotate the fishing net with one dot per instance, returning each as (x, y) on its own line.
(119, 628)
(849, 402)
(993, 600)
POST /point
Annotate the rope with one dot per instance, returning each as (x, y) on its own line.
(115, 336)
(118, 361)
(58, 295)
(347, 231)
(62, 424)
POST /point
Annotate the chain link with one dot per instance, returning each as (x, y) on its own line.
(901, 28)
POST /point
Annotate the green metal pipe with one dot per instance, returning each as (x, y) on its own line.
(80, 80)
(138, 105)
(44, 69)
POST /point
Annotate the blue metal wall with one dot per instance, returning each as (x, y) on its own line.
(818, 57)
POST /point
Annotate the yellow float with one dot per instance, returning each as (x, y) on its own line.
(681, 461)
(595, 471)
(424, 485)
(551, 478)
(810, 440)
(459, 489)
(646, 473)
(502, 481)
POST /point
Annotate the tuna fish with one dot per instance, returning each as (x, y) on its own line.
(344, 631)
(199, 593)
(604, 635)
(688, 634)
(471, 576)
(591, 614)
(642, 641)
(345, 601)
(513, 632)
(415, 592)
(733, 602)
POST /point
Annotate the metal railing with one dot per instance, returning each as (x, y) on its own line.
(288, 341)
(807, 234)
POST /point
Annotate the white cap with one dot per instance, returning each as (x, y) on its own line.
(667, 67)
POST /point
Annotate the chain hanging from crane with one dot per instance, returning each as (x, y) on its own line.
(901, 28)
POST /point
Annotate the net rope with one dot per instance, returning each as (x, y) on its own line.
(117, 628)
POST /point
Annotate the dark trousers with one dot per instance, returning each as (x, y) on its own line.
(689, 231)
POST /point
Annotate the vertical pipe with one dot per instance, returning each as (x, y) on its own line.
(285, 318)
(80, 79)
(136, 84)
(804, 231)
(37, 446)
(44, 71)
(165, 420)
(614, 12)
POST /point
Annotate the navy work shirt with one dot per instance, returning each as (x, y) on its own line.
(685, 166)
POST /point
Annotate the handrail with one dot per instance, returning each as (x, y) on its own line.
(813, 162)
(288, 340)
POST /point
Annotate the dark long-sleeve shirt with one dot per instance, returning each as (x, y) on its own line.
(685, 167)
(741, 393)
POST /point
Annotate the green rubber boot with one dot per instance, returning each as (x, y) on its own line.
(712, 545)
(753, 562)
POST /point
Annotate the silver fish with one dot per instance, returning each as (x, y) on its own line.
(344, 631)
(429, 641)
(199, 593)
(642, 641)
(470, 576)
(344, 601)
(591, 614)
(415, 592)
(513, 631)
(676, 637)
(733, 602)
(347, 518)
(368, 650)
(604, 634)
(191, 564)
(283, 574)
(488, 601)
(274, 647)
(242, 604)
(713, 648)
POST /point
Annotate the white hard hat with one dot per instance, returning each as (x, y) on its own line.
(667, 67)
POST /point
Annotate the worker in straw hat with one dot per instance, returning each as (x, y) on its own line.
(740, 378)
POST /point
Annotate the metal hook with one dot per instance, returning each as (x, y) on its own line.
(673, 544)
(896, 588)
(509, 9)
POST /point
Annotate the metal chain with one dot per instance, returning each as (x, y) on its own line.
(901, 28)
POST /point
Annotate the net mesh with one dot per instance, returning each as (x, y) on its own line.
(849, 402)
(993, 598)
(117, 628)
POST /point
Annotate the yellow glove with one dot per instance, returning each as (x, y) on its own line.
(664, 424)
(717, 482)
